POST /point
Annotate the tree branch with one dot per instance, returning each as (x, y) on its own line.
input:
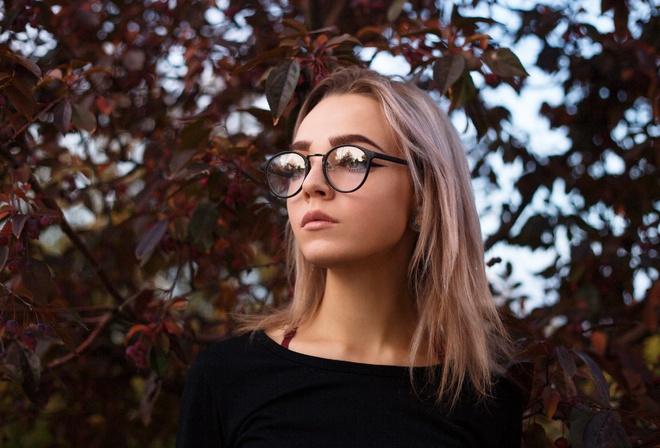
(66, 227)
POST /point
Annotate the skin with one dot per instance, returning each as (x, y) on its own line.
(367, 314)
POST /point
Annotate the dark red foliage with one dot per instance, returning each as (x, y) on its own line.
(132, 207)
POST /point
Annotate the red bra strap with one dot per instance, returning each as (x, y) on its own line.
(287, 338)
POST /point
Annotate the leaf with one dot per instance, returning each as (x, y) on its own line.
(62, 116)
(150, 240)
(195, 134)
(447, 70)
(28, 64)
(504, 63)
(598, 378)
(152, 388)
(180, 160)
(280, 86)
(394, 11)
(138, 328)
(535, 436)
(580, 417)
(203, 224)
(17, 223)
(173, 328)
(275, 53)
(30, 365)
(83, 119)
(338, 40)
(599, 431)
(4, 257)
(462, 91)
(15, 93)
(550, 397)
(38, 279)
(566, 361)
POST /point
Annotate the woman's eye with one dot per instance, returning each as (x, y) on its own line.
(352, 164)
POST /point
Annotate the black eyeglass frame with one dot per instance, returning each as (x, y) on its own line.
(370, 156)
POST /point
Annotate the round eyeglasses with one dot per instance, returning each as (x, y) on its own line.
(345, 168)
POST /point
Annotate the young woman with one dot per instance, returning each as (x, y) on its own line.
(391, 338)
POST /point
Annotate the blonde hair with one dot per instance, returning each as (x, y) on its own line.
(456, 315)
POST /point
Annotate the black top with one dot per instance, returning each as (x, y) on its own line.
(252, 392)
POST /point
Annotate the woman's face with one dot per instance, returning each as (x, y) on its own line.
(336, 229)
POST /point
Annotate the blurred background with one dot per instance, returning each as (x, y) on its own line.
(134, 221)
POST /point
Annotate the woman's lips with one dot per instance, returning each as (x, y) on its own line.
(315, 219)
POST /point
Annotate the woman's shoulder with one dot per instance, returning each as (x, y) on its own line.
(228, 351)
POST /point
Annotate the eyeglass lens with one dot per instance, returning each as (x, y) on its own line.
(345, 169)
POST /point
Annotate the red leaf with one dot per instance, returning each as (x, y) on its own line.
(447, 70)
(28, 64)
(504, 63)
(17, 223)
(62, 116)
(280, 85)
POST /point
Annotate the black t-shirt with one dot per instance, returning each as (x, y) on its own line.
(252, 392)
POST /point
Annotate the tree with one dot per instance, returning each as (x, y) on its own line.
(134, 220)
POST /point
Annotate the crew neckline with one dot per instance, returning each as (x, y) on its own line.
(334, 364)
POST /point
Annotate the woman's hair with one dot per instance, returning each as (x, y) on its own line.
(457, 318)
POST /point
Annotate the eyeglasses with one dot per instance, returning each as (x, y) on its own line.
(345, 168)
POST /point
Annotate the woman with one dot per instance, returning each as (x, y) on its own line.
(391, 338)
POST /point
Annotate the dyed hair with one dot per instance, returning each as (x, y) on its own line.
(456, 314)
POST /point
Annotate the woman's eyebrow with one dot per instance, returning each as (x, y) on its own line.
(301, 145)
(346, 139)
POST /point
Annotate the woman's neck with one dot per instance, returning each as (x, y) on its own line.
(367, 315)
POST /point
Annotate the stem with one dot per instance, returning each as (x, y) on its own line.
(105, 319)
(66, 227)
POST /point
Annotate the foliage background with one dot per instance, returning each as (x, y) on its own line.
(134, 220)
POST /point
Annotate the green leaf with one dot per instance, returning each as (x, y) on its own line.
(83, 119)
(447, 70)
(280, 85)
(202, 225)
(394, 11)
(504, 63)
(150, 240)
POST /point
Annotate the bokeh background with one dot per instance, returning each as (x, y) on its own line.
(134, 221)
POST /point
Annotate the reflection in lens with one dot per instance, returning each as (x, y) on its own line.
(285, 173)
(346, 167)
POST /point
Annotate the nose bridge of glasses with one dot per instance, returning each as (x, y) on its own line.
(308, 157)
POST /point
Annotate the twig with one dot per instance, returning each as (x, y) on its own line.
(66, 227)
(102, 323)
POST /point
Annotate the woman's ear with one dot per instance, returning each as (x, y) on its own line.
(416, 221)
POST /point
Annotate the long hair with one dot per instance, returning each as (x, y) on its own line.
(457, 318)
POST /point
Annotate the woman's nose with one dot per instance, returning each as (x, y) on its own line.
(315, 184)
